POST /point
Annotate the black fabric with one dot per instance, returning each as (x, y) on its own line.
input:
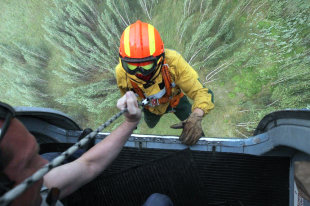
(161, 85)
(243, 179)
(5, 183)
(189, 178)
(148, 84)
(174, 176)
(54, 147)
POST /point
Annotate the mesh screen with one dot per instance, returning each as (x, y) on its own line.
(189, 178)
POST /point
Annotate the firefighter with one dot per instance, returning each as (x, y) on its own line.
(163, 79)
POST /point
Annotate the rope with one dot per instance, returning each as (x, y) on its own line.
(19, 189)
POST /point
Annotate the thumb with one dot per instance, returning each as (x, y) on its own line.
(179, 125)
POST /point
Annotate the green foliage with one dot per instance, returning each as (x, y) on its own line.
(253, 54)
(282, 65)
(23, 75)
(87, 33)
(213, 39)
(88, 39)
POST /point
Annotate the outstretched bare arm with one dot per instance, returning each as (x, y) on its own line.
(70, 177)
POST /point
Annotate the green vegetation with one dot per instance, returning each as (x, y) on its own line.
(254, 55)
(23, 69)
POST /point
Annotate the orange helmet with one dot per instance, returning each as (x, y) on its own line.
(141, 43)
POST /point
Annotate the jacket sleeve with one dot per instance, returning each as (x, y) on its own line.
(120, 79)
(187, 79)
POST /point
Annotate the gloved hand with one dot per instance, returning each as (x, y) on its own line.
(192, 129)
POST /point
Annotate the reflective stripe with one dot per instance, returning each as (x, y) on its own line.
(151, 39)
(158, 95)
(126, 41)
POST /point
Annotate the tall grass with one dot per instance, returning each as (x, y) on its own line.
(254, 58)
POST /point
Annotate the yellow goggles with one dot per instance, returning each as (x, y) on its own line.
(143, 65)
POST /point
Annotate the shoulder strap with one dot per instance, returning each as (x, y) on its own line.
(167, 79)
(137, 89)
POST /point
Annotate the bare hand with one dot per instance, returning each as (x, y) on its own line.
(129, 101)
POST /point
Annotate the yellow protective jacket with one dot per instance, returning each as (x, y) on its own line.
(182, 74)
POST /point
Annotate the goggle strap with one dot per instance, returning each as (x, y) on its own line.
(146, 59)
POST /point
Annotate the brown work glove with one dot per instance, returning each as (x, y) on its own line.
(192, 129)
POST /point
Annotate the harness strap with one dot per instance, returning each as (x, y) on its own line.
(167, 79)
(173, 100)
(137, 89)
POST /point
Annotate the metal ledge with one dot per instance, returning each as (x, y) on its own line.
(282, 128)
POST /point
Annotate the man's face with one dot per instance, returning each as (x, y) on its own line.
(25, 161)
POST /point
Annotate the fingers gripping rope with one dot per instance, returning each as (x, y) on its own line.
(19, 189)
